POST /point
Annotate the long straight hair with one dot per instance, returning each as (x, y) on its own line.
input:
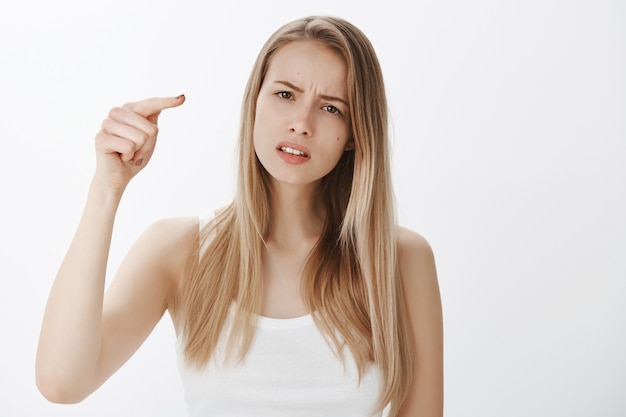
(350, 279)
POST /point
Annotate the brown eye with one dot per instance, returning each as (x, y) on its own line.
(284, 94)
(332, 109)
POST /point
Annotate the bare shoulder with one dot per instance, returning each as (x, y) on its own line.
(158, 256)
(411, 240)
(418, 273)
(170, 241)
(415, 256)
(174, 230)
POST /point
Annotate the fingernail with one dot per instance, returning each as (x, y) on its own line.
(139, 162)
(180, 96)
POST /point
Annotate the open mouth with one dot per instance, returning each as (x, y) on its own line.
(293, 151)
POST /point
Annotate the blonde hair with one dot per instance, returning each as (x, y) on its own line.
(350, 279)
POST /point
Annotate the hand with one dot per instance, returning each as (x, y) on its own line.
(127, 138)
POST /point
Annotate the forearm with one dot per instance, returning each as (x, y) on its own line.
(70, 339)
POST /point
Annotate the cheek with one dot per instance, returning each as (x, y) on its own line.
(341, 135)
(333, 126)
(263, 118)
(259, 123)
(343, 130)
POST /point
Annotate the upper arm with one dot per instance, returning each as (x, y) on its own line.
(143, 288)
(423, 306)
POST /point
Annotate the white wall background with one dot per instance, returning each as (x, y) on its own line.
(510, 157)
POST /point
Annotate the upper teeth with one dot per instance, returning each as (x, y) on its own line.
(292, 151)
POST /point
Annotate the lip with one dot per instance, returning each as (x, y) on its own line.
(296, 146)
(291, 158)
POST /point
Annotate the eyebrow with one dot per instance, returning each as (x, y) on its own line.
(324, 96)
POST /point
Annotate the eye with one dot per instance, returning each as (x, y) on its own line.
(332, 110)
(284, 95)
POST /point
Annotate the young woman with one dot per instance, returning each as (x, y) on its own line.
(302, 297)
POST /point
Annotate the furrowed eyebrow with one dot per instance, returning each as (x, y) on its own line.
(289, 85)
(325, 97)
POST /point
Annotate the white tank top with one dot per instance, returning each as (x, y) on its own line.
(289, 371)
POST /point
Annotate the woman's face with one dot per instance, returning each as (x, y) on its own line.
(302, 124)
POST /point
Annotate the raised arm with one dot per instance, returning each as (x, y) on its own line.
(84, 338)
(419, 275)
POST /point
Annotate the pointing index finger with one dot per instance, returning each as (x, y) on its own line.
(153, 106)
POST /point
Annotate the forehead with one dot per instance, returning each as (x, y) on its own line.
(309, 64)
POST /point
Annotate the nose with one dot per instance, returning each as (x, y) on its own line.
(302, 120)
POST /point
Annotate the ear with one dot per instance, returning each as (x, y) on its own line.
(349, 144)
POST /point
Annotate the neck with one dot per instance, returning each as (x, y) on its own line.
(297, 216)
